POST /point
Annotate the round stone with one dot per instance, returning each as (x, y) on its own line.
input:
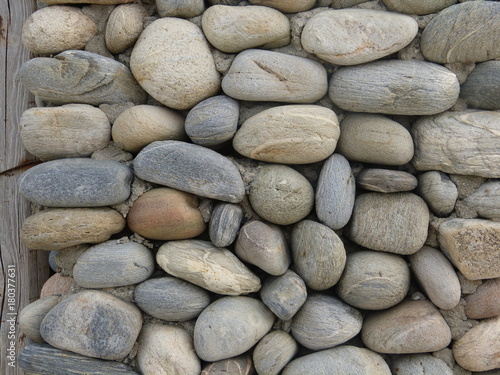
(418, 7)
(486, 200)
(239, 365)
(125, 24)
(386, 180)
(438, 191)
(31, 316)
(273, 352)
(480, 89)
(225, 224)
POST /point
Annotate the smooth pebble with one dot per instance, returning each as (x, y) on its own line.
(125, 24)
(419, 364)
(180, 8)
(273, 352)
(438, 191)
(286, 6)
(418, 7)
(31, 316)
(225, 223)
(485, 301)
(481, 89)
(386, 180)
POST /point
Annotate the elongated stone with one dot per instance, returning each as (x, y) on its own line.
(480, 90)
(486, 200)
(395, 87)
(76, 183)
(225, 224)
(191, 168)
(386, 180)
(418, 7)
(438, 191)
(273, 352)
(182, 9)
(125, 24)
(80, 77)
(32, 315)
(412, 364)
(286, 6)
(212, 268)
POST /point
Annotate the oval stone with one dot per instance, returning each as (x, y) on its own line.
(171, 299)
(419, 364)
(31, 316)
(292, 134)
(485, 301)
(463, 33)
(438, 191)
(124, 26)
(230, 326)
(58, 228)
(418, 7)
(273, 352)
(396, 87)
(182, 9)
(286, 6)
(225, 224)
(191, 168)
(171, 60)
(481, 88)
(486, 200)
(357, 36)
(281, 77)
(239, 365)
(386, 180)
(57, 284)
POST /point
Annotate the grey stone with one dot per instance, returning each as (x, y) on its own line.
(281, 77)
(273, 352)
(398, 87)
(80, 77)
(171, 299)
(438, 191)
(124, 25)
(31, 316)
(481, 89)
(419, 364)
(225, 223)
(286, 6)
(100, 2)
(335, 192)
(284, 295)
(318, 254)
(239, 365)
(77, 182)
(464, 32)
(386, 180)
(52, 261)
(486, 200)
(230, 326)
(180, 8)
(419, 7)
(191, 168)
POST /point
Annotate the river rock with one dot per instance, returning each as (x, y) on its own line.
(138, 126)
(230, 326)
(284, 295)
(438, 191)
(264, 246)
(125, 24)
(111, 264)
(58, 228)
(471, 245)
(80, 77)
(410, 327)
(436, 276)
(357, 36)
(486, 200)
(458, 142)
(481, 88)
(273, 352)
(396, 223)
(101, 2)
(291, 134)
(413, 364)
(478, 349)
(335, 192)
(93, 323)
(182, 9)
(281, 195)
(286, 6)
(165, 349)
(166, 214)
(233, 29)
(171, 299)
(181, 72)
(212, 268)
(418, 7)
(31, 316)
(239, 365)
(397, 87)
(55, 29)
(318, 254)
(485, 301)
(77, 182)
(463, 33)
(374, 280)
(281, 78)
(324, 321)
(57, 284)
(225, 223)
(191, 168)
(340, 360)
(81, 129)
(386, 180)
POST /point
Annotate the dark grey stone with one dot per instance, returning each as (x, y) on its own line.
(224, 224)
(482, 87)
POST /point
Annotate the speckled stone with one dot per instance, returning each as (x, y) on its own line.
(225, 223)
(481, 88)
(273, 352)
(125, 24)
(386, 180)
(31, 316)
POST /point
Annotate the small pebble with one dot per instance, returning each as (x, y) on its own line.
(273, 352)
(125, 24)
(438, 191)
(225, 223)
(386, 180)
(57, 284)
(181, 9)
(239, 365)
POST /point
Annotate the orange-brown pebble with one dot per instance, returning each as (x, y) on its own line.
(56, 284)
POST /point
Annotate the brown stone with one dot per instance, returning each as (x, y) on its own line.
(485, 301)
(57, 284)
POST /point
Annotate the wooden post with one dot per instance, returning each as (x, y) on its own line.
(23, 272)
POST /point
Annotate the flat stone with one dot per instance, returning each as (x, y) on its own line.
(412, 364)
(335, 192)
(410, 327)
(418, 7)
(191, 168)
(471, 245)
(357, 36)
(181, 72)
(203, 264)
(233, 29)
(165, 349)
(239, 365)
(31, 316)
(438, 191)
(480, 89)
(318, 254)
(280, 77)
(396, 223)
(324, 321)
(486, 200)
(93, 323)
(286, 6)
(80, 77)
(171, 299)
(77, 182)
(81, 129)
(230, 326)
(166, 214)
(57, 284)
(55, 29)
(225, 223)
(291, 134)
(485, 301)
(125, 24)
(463, 33)
(374, 280)
(273, 352)
(386, 180)
(397, 87)
(59, 228)
(182, 9)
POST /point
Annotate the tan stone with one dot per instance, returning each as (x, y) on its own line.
(485, 301)
(101, 2)
(124, 26)
(286, 6)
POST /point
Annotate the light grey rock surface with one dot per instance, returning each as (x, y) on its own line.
(180, 8)
(438, 191)
(419, 7)
(486, 200)
(225, 224)
(419, 364)
(481, 88)
(386, 180)
(273, 352)
(31, 316)
(125, 24)
(286, 6)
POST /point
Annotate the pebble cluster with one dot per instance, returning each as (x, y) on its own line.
(265, 186)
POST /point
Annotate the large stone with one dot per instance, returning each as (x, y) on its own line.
(485, 301)
(80, 77)
(395, 87)
(458, 142)
(486, 200)
(191, 168)
(357, 36)
(280, 78)
(419, 7)
(386, 180)
(463, 33)
(413, 364)
(171, 60)
(273, 352)
(31, 316)
(438, 191)
(286, 6)
(481, 89)
(225, 223)
(125, 24)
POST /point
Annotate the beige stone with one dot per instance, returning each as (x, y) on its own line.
(57, 284)
(101, 2)
(31, 316)
(124, 26)
(286, 6)
(485, 301)
(418, 6)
